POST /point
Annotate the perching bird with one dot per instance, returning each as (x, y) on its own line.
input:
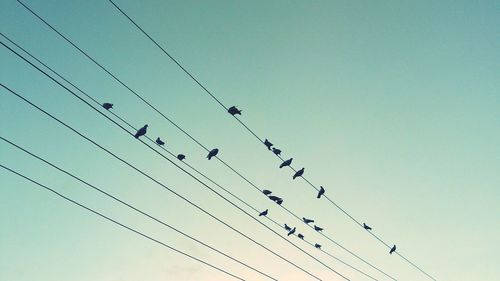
(274, 198)
(159, 141)
(318, 246)
(141, 131)
(320, 192)
(291, 231)
(366, 227)
(287, 227)
(263, 213)
(268, 144)
(307, 221)
(276, 151)
(317, 228)
(181, 157)
(107, 105)
(212, 153)
(300, 236)
(279, 202)
(266, 192)
(286, 163)
(393, 249)
(299, 173)
(233, 110)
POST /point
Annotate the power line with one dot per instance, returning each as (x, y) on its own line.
(100, 190)
(170, 120)
(253, 132)
(161, 184)
(206, 177)
(119, 223)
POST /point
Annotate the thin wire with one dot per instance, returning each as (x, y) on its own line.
(100, 190)
(118, 223)
(248, 128)
(169, 189)
(206, 177)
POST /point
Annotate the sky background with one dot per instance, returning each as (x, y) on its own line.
(393, 106)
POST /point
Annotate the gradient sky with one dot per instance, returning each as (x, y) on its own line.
(393, 106)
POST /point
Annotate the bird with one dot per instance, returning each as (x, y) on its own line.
(107, 105)
(212, 153)
(181, 157)
(287, 227)
(393, 249)
(320, 192)
(366, 227)
(274, 198)
(317, 246)
(286, 163)
(233, 110)
(268, 144)
(291, 231)
(298, 173)
(317, 228)
(264, 213)
(159, 141)
(276, 151)
(279, 202)
(307, 221)
(141, 131)
(266, 192)
(301, 236)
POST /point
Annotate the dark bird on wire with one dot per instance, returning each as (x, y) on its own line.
(366, 227)
(268, 144)
(307, 221)
(393, 249)
(301, 236)
(141, 131)
(317, 228)
(181, 157)
(107, 105)
(299, 173)
(276, 151)
(274, 198)
(263, 213)
(279, 202)
(212, 153)
(266, 192)
(286, 163)
(233, 110)
(287, 227)
(159, 141)
(318, 246)
(291, 231)
(320, 192)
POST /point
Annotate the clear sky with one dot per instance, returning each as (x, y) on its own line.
(393, 106)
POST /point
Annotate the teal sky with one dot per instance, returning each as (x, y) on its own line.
(393, 106)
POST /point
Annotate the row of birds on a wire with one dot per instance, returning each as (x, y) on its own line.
(233, 110)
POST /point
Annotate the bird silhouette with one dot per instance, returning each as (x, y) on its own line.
(233, 110)
(307, 221)
(287, 227)
(301, 236)
(159, 141)
(393, 249)
(366, 227)
(264, 213)
(268, 144)
(279, 202)
(212, 153)
(276, 151)
(107, 105)
(274, 198)
(141, 131)
(317, 228)
(299, 173)
(320, 192)
(286, 163)
(181, 157)
(317, 246)
(292, 231)
(266, 192)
